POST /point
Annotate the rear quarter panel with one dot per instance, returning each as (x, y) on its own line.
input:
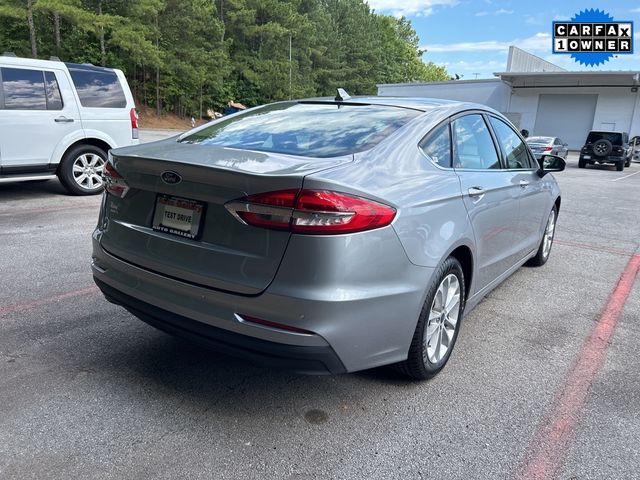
(431, 219)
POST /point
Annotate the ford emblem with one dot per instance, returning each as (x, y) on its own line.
(170, 177)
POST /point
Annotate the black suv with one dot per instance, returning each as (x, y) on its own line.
(606, 147)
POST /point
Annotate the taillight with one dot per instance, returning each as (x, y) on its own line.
(313, 212)
(133, 114)
(113, 181)
(547, 149)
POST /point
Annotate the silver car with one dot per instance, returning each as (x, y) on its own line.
(548, 146)
(325, 236)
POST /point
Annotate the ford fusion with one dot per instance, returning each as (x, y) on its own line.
(325, 236)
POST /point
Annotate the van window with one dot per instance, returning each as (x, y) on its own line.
(98, 89)
(54, 100)
(23, 89)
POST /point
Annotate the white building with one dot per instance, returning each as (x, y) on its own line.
(545, 99)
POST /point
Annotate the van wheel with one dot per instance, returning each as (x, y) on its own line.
(81, 168)
(438, 324)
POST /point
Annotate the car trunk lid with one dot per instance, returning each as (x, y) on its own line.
(225, 254)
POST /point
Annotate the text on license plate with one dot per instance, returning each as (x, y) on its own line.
(177, 216)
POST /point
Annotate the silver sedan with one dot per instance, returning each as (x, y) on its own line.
(548, 146)
(326, 235)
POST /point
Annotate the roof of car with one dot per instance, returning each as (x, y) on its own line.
(417, 103)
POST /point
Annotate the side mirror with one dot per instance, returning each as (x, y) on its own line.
(551, 163)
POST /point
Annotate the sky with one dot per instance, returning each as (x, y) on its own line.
(472, 37)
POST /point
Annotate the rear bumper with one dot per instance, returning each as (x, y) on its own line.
(359, 314)
(309, 360)
(590, 158)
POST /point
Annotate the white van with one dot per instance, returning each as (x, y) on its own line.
(61, 119)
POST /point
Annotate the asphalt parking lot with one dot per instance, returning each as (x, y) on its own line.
(543, 382)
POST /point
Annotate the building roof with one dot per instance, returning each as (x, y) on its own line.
(520, 60)
(606, 78)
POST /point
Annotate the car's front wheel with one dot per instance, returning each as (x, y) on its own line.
(439, 323)
(542, 255)
(81, 170)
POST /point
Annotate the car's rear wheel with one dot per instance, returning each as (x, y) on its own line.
(439, 323)
(542, 255)
(81, 170)
(582, 163)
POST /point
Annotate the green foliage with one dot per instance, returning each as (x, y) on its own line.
(207, 52)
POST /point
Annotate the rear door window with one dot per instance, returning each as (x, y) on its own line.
(23, 89)
(473, 147)
(98, 88)
(306, 129)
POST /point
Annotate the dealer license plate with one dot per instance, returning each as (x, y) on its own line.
(177, 216)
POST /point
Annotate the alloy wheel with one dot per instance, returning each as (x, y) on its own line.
(87, 171)
(548, 234)
(443, 320)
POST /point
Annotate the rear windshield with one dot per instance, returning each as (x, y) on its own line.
(613, 137)
(310, 130)
(98, 89)
(539, 139)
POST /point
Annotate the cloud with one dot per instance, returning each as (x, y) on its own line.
(420, 8)
(501, 11)
(540, 42)
(635, 10)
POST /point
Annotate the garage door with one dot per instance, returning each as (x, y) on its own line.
(569, 117)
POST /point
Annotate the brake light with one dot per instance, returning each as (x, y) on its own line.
(313, 212)
(113, 181)
(547, 149)
(133, 115)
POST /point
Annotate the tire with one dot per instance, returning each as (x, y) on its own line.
(542, 255)
(80, 170)
(620, 166)
(424, 360)
(602, 147)
(582, 163)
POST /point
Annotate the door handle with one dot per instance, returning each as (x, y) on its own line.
(476, 192)
(524, 183)
(63, 120)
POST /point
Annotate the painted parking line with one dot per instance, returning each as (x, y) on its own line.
(595, 248)
(549, 447)
(626, 176)
(44, 301)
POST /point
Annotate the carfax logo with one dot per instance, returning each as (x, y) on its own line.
(592, 37)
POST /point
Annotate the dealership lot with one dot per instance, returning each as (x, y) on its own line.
(86, 390)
